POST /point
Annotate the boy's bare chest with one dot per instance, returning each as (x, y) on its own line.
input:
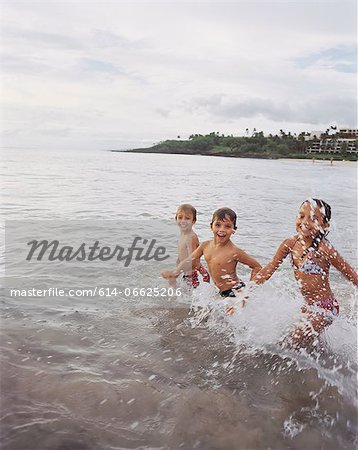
(184, 242)
(220, 258)
(184, 247)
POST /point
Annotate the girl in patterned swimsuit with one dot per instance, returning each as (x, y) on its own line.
(311, 256)
(188, 242)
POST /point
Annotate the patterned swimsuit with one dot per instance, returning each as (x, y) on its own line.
(328, 306)
(192, 278)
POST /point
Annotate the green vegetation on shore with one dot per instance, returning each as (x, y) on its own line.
(284, 145)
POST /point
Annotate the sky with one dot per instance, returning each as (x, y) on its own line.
(115, 75)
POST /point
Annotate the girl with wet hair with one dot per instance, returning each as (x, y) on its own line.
(326, 213)
(311, 257)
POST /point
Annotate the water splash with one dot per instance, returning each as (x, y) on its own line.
(270, 313)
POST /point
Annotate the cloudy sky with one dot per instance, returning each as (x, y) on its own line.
(106, 75)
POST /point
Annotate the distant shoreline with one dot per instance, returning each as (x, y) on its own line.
(327, 162)
(319, 158)
(279, 146)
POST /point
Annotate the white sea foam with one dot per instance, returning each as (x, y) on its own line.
(270, 313)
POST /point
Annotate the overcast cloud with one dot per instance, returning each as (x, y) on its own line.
(119, 75)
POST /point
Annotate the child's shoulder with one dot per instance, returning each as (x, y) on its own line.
(194, 239)
(290, 242)
(326, 247)
(193, 234)
(234, 247)
(236, 251)
(207, 243)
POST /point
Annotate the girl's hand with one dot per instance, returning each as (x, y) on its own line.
(229, 309)
(250, 287)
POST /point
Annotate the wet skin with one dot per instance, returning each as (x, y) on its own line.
(314, 287)
(221, 255)
(188, 240)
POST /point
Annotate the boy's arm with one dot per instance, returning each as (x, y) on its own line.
(266, 273)
(248, 260)
(194, 243)
(341, 264)
(187, 264)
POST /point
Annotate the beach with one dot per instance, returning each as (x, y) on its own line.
(132, 371)
(326, 162)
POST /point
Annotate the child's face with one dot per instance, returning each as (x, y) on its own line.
(222, 230)
(185, 220)
(310, 221)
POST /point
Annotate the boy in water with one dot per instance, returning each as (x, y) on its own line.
(221, 255)
(188, 242)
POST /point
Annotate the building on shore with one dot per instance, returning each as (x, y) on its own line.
(345, 140)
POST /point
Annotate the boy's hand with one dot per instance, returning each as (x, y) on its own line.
(167, 274)
(172, 282)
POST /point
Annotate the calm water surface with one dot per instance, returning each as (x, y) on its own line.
(144, 373)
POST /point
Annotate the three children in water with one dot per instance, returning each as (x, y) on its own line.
(310, 252)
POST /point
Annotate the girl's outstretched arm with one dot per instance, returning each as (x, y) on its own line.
(266, 272)
(341, 264)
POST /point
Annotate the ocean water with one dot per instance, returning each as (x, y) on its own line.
(139, 372)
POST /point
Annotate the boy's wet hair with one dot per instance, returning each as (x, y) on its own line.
(224, 214)
(186, 208)
(326, 213)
